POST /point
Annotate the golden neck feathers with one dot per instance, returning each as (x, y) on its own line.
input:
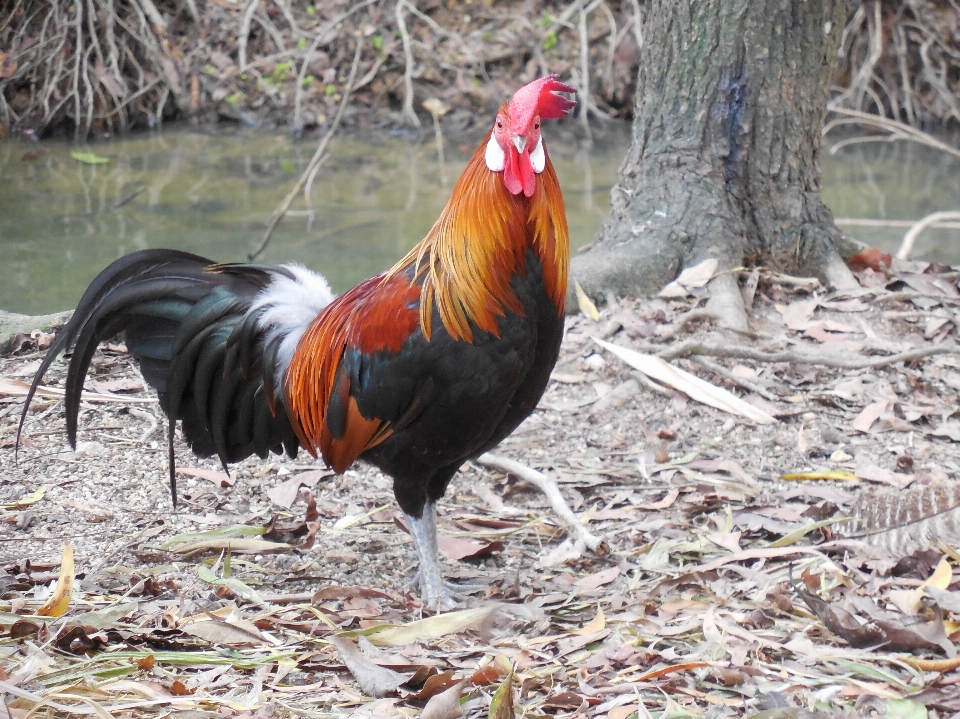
(466, 262)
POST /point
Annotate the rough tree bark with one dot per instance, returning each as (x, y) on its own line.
(730, 102)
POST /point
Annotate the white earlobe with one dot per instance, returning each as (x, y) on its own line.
(538, 158)
(494, 155)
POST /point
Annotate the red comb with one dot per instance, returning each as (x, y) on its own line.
(538, 97)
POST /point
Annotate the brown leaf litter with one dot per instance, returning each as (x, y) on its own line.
(715, 587)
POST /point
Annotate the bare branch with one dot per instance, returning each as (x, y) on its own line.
(408, 67)
(741, 381)
(321, 38)
(546, 485)
(244, 32)
(318, 157)
(910, 237)
(150, 10)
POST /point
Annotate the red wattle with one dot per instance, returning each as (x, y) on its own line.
(511, 172)
(518, 173)
(527, 175)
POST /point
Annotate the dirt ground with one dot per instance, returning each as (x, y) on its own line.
(727, 582)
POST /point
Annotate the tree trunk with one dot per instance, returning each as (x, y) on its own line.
(731, 97)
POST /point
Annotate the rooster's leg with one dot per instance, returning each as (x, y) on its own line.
(435, 594)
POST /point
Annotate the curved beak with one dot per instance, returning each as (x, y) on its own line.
(519, 142)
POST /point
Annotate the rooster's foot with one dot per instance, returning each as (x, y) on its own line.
(442, 600)
(452, 594)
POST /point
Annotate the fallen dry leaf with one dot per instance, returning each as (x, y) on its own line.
(232, 629)
(19, 388)
(691, 278)
(118, 385)
(908, 600)
(843, 623)
(869, 471)
(951, 430)
(436, 684)
(585, 303)
(485, 675)
(221, 479)
(691, 385)
(432, 627)
(58, 602)
(460, 548)
(285, 493)
(592, 581)
(870, 414)
(374, 680)
(234, 544)
(823, 474)
(872, 257)
(918, 635)
(595, 625)
(502, 703)
(798, 315)
(446, 704)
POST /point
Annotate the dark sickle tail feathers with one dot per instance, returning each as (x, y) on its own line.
(187, 323)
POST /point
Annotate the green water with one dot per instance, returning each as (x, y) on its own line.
(62, 221)
(894, 181)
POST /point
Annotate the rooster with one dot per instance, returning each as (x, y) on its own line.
(415, 371)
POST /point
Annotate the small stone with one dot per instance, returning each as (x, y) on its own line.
(840, 456)
(90, 449)
(594, 363)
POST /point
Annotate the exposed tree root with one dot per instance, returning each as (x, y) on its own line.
(899, 60)
(913, 233)
(102, 66)
(12, 325)
(726, 303)
(728, 375)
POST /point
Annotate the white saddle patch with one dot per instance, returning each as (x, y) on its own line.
(289, 305)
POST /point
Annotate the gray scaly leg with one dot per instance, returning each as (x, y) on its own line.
(424, 531)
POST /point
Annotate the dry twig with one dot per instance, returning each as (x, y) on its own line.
(244, 32)
(408, 65)
(696, 347)
(897, 130)
(321, 37)
(581, 535)
(309, 172)
(910, 238)
(741, 381)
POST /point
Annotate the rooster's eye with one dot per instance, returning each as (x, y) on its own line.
(536, 126)
(499, 125)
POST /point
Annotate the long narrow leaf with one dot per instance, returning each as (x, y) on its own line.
(687, 383)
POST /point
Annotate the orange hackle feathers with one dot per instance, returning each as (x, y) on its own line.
(466, 261)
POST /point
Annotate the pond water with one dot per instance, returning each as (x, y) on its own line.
(62, 221)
